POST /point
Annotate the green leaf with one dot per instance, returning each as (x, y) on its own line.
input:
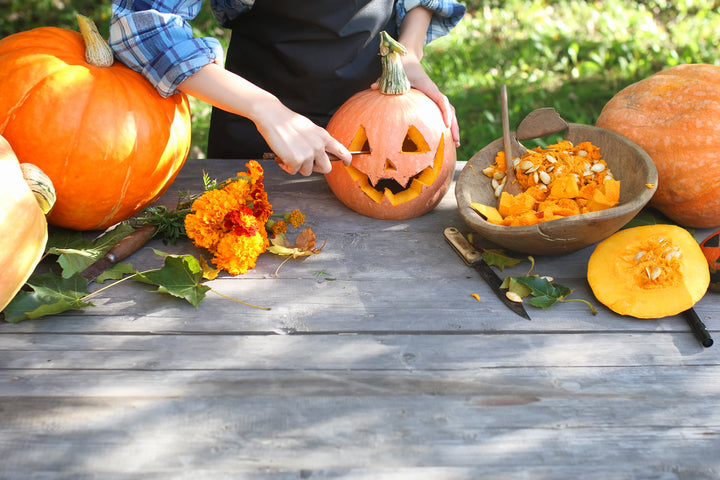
(512, 284)
(499, 259)
(116, 272)
(51, 294)
(76, 254)
(180, 277)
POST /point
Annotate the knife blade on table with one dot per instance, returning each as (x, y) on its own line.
(120, 251)
(474, 259)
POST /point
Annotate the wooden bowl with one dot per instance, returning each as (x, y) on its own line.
(628, 162)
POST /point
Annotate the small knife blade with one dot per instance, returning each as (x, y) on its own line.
(474, 259)
(272, 156)
(120, 251)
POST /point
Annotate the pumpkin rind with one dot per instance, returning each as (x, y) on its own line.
(106, 138)
(673, 116)
(711, 249)
(651, 271)
(23, 228)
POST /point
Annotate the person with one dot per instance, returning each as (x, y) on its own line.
(290, 64)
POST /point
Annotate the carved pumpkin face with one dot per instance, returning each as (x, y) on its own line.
(412, 155)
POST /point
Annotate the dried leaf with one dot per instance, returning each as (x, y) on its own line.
(304, 245)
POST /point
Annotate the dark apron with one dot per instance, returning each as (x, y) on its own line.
(312, 54)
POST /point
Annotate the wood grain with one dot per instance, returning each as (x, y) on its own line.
(374, 362)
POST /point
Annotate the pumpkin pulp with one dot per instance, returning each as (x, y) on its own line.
(649, 272)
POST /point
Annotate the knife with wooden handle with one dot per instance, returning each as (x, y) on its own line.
(474, 259)
(120, 251)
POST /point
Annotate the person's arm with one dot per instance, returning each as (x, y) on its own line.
(158, 42)
(301, 145)
(418, 26)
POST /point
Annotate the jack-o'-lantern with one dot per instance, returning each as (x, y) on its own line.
(411, 159)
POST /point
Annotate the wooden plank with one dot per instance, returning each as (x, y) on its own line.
(252, 434)
(352, 351)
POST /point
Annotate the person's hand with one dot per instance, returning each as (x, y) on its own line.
(420, 80)
(299, 145)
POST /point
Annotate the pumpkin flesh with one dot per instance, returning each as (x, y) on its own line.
(651, 271)
(105, 137)
(23, 228)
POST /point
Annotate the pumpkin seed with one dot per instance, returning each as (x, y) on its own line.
(513, 297)
(598, 167)
(582, 153)
(499, 175)
(488, 170)
(639, 255)
(526, 165)
(550, 158)
(653, 272)
(544, 177)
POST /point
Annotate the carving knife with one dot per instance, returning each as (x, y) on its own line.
(120, 251)
(474, 259)
(272, 156)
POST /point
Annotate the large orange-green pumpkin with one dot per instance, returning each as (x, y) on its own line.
(673, 115)
(110, 143)
(412, 154)
(23, 228)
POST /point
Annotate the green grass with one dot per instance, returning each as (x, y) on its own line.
(569, 54)
(572, 55)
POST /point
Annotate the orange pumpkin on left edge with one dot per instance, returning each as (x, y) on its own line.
(110, 143)
(412, 156)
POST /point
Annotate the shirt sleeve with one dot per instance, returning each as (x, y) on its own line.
(446, 15)
(154, 38)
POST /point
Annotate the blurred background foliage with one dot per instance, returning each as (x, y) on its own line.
(568, 54)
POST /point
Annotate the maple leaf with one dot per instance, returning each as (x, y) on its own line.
(304, 245)
(51, 294)
(76, 254)
(180, 277)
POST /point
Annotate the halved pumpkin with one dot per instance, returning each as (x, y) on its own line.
(651, 271)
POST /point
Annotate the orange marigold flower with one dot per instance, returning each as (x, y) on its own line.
(230, 221)
(279, 227)
(238, 253)
(295, 218)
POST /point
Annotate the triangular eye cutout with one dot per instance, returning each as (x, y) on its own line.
(389, 166)
(360, 141)
(414, 141)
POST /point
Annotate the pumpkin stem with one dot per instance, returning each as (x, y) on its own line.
(393, 80)
(40, 185)
(97, 52)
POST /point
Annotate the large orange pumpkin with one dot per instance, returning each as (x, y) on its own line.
(23, 228)
(673, 115)
(110, 143)
(412, 155)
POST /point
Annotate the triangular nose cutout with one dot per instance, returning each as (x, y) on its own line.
(389, 166)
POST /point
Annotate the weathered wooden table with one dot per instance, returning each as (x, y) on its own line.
(374, 362)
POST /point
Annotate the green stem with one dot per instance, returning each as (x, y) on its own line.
(393, 80)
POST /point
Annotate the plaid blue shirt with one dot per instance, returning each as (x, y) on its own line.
(155, 38)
